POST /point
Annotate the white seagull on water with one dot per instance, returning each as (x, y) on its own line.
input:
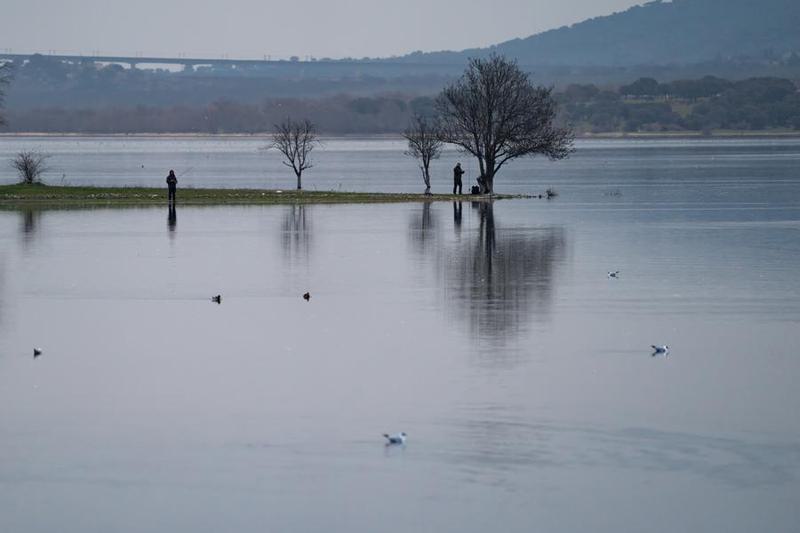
(614, 274)
(397, 438)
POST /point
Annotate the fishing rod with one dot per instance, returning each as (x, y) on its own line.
(183, 173)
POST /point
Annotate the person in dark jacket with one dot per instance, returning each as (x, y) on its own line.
(172, 185)
(457, 173)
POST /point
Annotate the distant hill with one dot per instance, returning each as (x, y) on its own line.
(680, 32)
(668, 41)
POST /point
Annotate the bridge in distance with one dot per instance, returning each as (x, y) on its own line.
(366, 66)
(132, 61)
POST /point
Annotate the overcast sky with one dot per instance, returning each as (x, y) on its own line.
(254, 28)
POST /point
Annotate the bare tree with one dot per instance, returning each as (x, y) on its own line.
(495, 113)
(295, 140)
(5, 79)
(423, 144)
(30, 165)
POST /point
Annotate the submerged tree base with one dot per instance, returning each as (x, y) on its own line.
(38, 194)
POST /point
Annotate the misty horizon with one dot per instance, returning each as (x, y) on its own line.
(361, 30)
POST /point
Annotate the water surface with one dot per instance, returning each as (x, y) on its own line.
(491, 334)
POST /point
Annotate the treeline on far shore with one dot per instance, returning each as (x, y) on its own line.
(706, 104)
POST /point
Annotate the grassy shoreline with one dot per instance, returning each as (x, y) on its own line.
(20, 195)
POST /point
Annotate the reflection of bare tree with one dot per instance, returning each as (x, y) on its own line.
(29, 224)
(296, 233)
(495, 283)
(422, 230)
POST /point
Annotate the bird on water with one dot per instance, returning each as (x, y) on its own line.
(307, 296)
(217, 299)
(36, 352)
(660, 350)
(397, 438)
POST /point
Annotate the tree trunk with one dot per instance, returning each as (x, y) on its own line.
(298, 181)
(426, 177)
(487, 175)
(491, 169)
(487, 183)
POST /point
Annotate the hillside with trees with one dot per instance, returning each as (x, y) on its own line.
(658, 33)
(703, 105)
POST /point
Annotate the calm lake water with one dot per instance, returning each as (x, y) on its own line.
(491, 334)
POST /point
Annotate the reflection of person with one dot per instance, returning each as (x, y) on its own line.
(457, 173)
(172, 217)
(457, 214)
(172, 185)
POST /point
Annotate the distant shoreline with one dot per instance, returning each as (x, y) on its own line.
(719, 134)
(723, 134)
(43, 196)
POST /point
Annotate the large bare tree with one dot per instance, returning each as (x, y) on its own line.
(424, 144)
(295, 140)
(496, 114)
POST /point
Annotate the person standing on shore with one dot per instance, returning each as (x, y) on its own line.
(172, 185)
(457, 173)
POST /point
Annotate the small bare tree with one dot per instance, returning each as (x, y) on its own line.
(423, 144)
(295, 140)
(30, 165)
(496, 114)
